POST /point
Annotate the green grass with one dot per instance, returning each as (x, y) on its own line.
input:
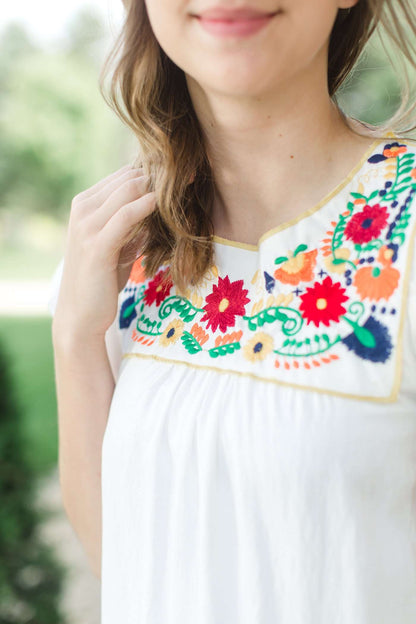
(28, 342)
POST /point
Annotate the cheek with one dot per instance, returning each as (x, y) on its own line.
(168, 20)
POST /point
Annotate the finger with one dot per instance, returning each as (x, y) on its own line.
(130, 190)
(92, 190)
(125, 219)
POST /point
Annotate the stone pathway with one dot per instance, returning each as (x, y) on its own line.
(81, 595)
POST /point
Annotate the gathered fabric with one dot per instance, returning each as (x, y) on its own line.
(259, 460)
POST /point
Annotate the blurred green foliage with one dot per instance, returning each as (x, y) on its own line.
(29, 345)
(58, 136)
(30, 576)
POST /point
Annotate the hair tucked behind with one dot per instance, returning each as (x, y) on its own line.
(149, 93)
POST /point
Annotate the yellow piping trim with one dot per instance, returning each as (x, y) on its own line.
(309, 211)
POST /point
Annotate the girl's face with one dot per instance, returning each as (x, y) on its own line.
(293, 39)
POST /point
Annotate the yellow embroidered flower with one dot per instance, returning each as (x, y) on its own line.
(172, 332)
(258, 347)
(343, 253)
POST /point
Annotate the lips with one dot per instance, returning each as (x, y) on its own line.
(222, 14)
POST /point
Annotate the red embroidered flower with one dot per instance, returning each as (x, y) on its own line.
(227, 300)
(156, 290)
(323, 302)
(367, 224)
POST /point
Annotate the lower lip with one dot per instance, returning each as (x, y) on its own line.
(239, 28)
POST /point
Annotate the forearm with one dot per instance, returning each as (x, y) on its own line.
(84, 387)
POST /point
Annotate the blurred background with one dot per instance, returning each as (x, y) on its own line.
(58, 137)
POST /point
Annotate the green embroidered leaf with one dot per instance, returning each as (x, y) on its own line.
(374, 244)
(131, 307)
(338, 238)
(350, 205)
(398, 190)
(224, 349)
(364, 336)
(293, 347)
(358, 195)
(299, 248)
(338, 261)
(183, 307)
(146, 326)
(373, 194)
(290, 318)
(190, 343)
(281, 259)
(398, 238)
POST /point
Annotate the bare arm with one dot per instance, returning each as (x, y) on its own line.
(84, 387)
(84, 315)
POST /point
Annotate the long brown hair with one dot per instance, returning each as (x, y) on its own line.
(149, 93)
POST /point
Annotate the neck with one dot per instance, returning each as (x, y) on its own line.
(271, 153)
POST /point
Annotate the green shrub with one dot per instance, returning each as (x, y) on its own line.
(30, 577)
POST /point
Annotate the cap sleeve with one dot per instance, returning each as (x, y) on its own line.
(412, 296)
(113, 336)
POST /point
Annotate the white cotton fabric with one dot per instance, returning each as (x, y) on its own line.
(230, 499)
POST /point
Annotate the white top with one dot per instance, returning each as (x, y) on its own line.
(259, 461)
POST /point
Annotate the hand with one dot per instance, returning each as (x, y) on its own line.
(100, 218)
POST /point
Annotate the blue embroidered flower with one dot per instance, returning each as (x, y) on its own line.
(383, 344)
(126, 319)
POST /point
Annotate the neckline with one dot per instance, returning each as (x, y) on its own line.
(323, 202)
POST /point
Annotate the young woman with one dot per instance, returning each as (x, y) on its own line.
(235, 327)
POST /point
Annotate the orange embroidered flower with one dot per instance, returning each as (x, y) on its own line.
(258, 347)
(413, 173)
(299, 268)
(375, 283)
(137, 271)
(393, 150)
(385, 255)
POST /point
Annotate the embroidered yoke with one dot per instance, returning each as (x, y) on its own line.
(259, 461)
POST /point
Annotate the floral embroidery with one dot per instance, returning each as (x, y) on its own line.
(172, 332)
(367, 224)
(323, 302)
(258, 347)
(156, 290)
(299, 267)
(227, 300)
(334, 286)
